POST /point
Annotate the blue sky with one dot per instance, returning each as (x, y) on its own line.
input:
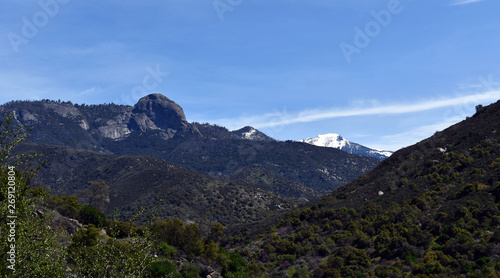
(383, 73)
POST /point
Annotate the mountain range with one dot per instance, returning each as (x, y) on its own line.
(89, 142)
(333, 140)
(429, 210)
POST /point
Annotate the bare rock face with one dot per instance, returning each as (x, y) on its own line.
(65, 110)
(156, 111)
(142, 123)
(152, 112)
(114, 130)
(27, 116)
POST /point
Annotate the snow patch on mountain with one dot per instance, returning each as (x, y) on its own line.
(330, 140)
(250, 134)
(334, 140)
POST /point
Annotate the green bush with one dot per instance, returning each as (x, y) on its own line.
(410, 256)
(38, 192)
(301, 273)
(111, 257)
(236, 264)
(175, 233)
(123, 229)
(471, 187)
(484, 261)
(68, 206)
(86, 237)
(190, 271)
(166, 250)
(495, 164)
(164, 269)
(90, 215)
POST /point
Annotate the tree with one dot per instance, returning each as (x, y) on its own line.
(164, 269)
(111, 257)
(190, 271)
(32, 247)
(236, 265)
(91, 215)
(216, 231)
(86, 237)
(97, 195)
(68, 206)
(30, 244)
(10, 138)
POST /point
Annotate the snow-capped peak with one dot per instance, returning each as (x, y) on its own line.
(249, 134)
(334, 140)
(331, 140)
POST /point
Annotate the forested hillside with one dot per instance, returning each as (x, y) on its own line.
(430, 210)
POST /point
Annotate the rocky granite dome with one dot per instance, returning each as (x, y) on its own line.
(157, 112)
(152, 112)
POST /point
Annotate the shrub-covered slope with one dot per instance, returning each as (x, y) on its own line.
(430, 210)
(146, 182)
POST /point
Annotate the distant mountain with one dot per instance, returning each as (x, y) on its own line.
(333, 140)
(157, 126)
(251, 133)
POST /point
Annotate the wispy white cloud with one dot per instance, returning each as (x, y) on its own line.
(284, 118)
(464, 2)
(89, 91)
